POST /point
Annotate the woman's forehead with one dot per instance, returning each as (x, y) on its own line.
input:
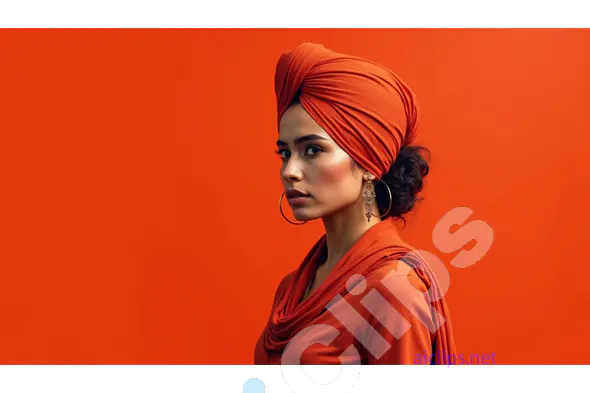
(296, 122)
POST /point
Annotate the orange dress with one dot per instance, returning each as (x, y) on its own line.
(378, 305)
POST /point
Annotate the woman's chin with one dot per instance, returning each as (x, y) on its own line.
(303, 215)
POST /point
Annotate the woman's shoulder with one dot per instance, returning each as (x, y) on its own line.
(396, 272)
(394, 266)
(397, 284)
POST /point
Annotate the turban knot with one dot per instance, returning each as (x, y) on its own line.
(368, 111)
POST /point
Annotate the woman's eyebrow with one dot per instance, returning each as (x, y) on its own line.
(301, 139)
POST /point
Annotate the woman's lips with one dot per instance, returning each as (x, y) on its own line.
(298, 200)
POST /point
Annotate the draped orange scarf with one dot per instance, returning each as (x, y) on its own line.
(379, 246)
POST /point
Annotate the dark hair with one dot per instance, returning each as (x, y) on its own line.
(405, 180)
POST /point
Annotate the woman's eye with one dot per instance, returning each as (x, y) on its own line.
(312, 150)
(283, 153)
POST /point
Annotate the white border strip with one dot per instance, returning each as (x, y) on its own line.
(301, 13)
(232, 379)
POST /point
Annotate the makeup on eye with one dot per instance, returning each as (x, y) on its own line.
(316, 148)
(280, 152)
(313, 148)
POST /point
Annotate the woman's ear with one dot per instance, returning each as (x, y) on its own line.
(368, 176)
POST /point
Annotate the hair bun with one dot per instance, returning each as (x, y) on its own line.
(405, 179)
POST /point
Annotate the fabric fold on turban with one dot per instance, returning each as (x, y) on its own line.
(367, 109)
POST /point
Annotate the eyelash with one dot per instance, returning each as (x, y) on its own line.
(279, 152)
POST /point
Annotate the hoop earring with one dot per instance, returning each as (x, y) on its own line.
(370, 197)
(283, 214)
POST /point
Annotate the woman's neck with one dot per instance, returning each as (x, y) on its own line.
(343, 229)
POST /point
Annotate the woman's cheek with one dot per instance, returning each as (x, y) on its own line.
(336, 170)
(332, 177)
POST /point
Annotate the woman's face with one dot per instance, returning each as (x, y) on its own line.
(315, 165)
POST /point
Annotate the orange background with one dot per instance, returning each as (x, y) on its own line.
(139, 207)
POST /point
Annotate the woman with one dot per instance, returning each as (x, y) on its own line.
(359, 296)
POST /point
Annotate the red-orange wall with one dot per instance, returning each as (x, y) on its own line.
(139, 188)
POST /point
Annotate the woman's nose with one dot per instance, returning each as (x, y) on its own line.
(291, 170)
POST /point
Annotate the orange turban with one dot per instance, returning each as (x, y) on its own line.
(363, 106)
